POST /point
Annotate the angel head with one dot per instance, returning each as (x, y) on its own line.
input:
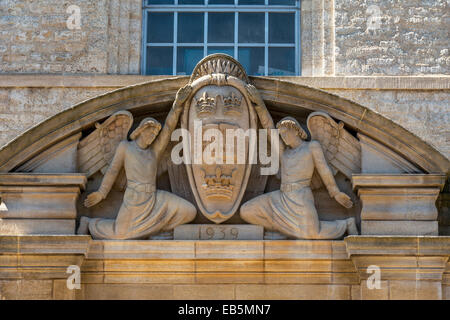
(146, 132)
(290, 131)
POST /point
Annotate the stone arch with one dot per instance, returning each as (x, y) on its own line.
(286, 96)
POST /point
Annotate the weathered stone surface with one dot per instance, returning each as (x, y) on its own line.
(391, 37)
(292, 292)
(305, 269)
(218, 232)
(388, 227)
(399, 258)
(399, 204)
(60, 158)
(41, 257)
(26, 289)
(36, 226)
(39, 203)
(415, 290)
(362, 291)
(106, 41)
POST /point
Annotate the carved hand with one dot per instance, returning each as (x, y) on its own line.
(254, 95)
(182, 95)
(344, 200)
(93, 199)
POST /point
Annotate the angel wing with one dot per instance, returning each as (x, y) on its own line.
(95, 152)
(341, 149)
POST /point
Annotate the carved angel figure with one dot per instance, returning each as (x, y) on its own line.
(291, 209)
(145, 211)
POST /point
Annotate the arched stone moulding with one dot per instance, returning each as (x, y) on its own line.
(290, 95)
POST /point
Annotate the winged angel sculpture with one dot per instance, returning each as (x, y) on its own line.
(291, 209)
(145, 211)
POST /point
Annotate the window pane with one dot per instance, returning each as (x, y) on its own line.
(159, 2)
(247, 2)
(281, 27)
(187, 58)
(159, 60)
(227, 50)
(221, 27)
(191, 1)
(251, 27)
(282, 2)
(221, 1)
(252, 59)
(190, 27)
(281, 61)
(160, 27)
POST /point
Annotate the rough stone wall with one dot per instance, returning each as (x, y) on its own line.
(35, 38)
(23, 108)
(392, 37)
(339, 37)
(422, 112)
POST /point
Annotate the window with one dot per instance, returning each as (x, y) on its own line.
(264, 35)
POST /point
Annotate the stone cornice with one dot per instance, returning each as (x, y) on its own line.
(119, 81)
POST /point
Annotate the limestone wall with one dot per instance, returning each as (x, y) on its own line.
(338, 37)
(228, 270)
(392, 37)
(34, 37)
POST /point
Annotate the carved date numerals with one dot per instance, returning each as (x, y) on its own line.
(218, 233)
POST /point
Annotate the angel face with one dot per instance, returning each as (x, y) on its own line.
(289, 135)
(148, 135)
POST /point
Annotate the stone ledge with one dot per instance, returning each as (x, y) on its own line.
(398, 180)
(217, 249)
(398, 245)
(43, 179)
(40, 257)
(119, 81)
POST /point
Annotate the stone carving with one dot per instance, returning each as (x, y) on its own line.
(221, 102)
(291, 209)
(145, 211)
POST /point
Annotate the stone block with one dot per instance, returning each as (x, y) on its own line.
(37, 226)
(62, 292)
(26, 289)
(413, 228)
(39, 203)
(292, 292)
(415, 290)
(362, 291)
(398, 204)
(124, 291)
(218, 232)
(204, 292)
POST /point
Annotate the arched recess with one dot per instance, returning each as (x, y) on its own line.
(157, 95)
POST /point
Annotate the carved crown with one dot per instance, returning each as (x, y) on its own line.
(205, 104)
(232, 103)
(218, 185)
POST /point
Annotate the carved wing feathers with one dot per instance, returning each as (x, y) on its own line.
(341, 149)
(95, 152)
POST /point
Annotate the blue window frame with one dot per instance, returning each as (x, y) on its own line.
(264, 35)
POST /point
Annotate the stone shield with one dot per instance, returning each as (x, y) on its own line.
(220, 120)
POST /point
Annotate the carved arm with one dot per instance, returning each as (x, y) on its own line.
(162, 140)
(113, 170)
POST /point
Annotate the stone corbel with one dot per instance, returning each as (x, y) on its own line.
(406, 267)
(398, 204)
(34, 203)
